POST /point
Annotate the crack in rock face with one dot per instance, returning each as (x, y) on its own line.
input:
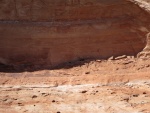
(50, 33)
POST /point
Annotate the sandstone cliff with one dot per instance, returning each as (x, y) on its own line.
(36, 35)
(50, 32)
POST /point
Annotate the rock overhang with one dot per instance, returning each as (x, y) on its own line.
(49, 33)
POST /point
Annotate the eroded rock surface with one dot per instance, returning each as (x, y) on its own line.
(120, 86)
(48, 32)
(42, 33)
(146, 51)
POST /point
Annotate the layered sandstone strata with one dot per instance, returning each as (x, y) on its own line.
(50, 32)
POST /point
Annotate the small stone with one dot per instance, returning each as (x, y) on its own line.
(132, 57)
(111, 58)
(135, 95)
(34, 96)
(83, 91)
(58, 112)
(147, 65)
(120, 57)
(113, 92)
(87, 72)
(20, 104)
(98, 60)
(53, 101)
(5, 100)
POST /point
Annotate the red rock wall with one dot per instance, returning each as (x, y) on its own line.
(50, 32)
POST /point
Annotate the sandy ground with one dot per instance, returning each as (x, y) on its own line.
(101, 86)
